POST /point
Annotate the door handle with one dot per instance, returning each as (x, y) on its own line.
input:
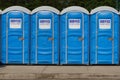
(111, 39)
(50, 39)
(80, 38)
(21, 38)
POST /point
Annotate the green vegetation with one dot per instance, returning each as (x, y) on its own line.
(59, 4)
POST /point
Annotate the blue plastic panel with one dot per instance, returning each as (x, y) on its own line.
(15, 37)
(104, 38)
(44, 38)
(74, 38)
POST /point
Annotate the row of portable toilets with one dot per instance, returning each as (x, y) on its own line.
(47, 36)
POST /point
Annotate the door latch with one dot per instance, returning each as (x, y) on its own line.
(80, 38)
(50, 39)
(21, 38)
(111, 39)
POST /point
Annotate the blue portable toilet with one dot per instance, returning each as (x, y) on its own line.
(74, 36)
(44, 35)
(15, 35)
(104, 36)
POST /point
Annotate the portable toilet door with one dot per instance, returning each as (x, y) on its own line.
(44, 35)
(15, 35)
(74, 36)
(104, 36)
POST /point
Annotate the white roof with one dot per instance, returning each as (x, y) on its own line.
(19, 8)
(45, 8)
(102, 8)
(119, 13)
(74, 8)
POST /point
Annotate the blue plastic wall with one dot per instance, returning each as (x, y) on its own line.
(44, 41)
(74, 43)
(0, 40)
(104, 41)
(15, 41)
